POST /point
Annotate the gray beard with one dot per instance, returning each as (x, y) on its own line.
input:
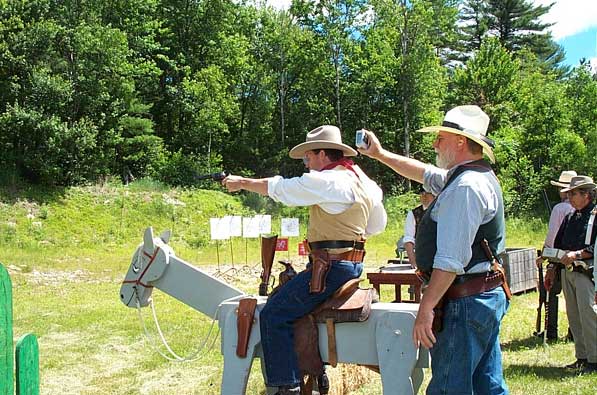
(443, 162)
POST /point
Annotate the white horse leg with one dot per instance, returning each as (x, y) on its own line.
(236, 370)
(396, 352)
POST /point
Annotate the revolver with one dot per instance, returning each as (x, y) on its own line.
(213, 176)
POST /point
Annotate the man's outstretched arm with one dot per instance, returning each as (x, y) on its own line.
(406, 167)
(237, 183)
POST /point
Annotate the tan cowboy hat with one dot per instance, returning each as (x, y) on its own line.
(564, 179)
(584, 182)
(323, 137)
(470, 122)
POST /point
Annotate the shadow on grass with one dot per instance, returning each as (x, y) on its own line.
(528, 343)
(555, 373)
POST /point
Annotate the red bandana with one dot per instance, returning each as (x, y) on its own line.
(347, 163)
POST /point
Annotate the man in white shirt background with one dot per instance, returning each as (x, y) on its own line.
(411, 224)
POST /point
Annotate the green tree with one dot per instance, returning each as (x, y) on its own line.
(516, 24)
(581, 90)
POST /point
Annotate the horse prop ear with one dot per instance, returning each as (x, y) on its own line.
(148, 240)
(165, 236)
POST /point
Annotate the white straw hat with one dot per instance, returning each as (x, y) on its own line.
(564, 179)
(468, 121)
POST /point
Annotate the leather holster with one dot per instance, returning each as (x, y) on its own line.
(320, 266)
(244, 322)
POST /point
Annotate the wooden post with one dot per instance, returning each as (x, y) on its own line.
(6, 349)
(27, 353)
(27, 361)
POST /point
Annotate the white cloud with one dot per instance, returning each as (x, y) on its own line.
(570, 16)
(279, 4)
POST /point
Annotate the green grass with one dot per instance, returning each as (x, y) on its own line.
(67, 252)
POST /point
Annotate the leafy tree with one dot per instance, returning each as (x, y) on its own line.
(336, 23)
(46, 150)
(581, 90)
(401, 76)
(516, 24)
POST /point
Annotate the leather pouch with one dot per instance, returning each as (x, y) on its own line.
(244, 322)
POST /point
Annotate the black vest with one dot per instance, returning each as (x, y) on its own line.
(493, 231)
(418, 213)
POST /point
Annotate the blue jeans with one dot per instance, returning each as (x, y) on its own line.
(291, 302)
(466, 359)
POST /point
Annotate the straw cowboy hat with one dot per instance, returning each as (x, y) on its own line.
(470, 122)
(323, 137)
(584, 182)
(564, 179)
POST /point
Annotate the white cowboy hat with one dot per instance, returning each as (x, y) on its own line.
(470, 122)
(584, 182)
(564, 179)
(323, 137)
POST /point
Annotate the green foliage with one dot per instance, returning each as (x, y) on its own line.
(167, 88)
(46, 150)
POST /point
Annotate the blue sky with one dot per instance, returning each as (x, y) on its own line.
(575, 26)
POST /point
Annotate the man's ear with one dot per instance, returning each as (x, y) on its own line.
(461, 141)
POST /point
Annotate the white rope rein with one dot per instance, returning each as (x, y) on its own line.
(173, 355)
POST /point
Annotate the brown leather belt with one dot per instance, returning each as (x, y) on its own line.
(475, 285)
(352, 255)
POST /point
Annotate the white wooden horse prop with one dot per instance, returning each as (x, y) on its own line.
(383, 340)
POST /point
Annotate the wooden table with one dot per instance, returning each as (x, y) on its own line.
(397, 278)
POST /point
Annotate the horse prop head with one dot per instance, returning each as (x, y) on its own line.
(150, 260)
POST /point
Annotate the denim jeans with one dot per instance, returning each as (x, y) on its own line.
(291, 302)
(466, 359)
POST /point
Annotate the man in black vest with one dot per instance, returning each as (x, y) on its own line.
(576, 237)
(459, 236)
(411, 225)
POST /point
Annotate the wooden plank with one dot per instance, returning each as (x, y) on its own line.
(6, 349)
(27, 361)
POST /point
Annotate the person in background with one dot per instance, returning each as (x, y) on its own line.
(345, 207)
(560, 210)
(576, 237)
(558, 213)
(461, 233)
(411, 225)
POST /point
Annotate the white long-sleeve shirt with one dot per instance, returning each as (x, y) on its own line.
(331, 190)
(410, 228)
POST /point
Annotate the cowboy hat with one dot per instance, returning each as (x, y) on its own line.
(584, 182)
(564, 179)
(470, 122)
(323, 137)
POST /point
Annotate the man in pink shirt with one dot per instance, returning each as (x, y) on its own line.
(561, 209)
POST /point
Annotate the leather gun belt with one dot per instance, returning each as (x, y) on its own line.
(474, 284)
(352, 255)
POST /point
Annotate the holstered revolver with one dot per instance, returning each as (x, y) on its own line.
(320, 266)
(268, 250)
